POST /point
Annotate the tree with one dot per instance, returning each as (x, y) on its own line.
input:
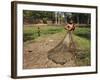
(38, 15)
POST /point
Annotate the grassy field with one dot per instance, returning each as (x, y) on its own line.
(81, 36)
(31, 33)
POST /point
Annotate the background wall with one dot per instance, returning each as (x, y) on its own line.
(5, 40)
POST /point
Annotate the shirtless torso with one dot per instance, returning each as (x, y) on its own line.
(70, 27)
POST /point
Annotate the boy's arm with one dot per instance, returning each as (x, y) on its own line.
(67, 27)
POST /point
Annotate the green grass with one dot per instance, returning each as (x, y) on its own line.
(83, 42)
(83, 32)
(82, 37)
(31, 33)
(83, 57)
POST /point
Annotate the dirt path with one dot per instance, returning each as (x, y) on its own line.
(35, 53)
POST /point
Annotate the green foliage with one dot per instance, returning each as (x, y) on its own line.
(81, 18)
(83, 32)
(38, 14)
(31, 33)
(83, 56)
(29, 36)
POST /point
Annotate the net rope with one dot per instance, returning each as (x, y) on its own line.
(64, 51)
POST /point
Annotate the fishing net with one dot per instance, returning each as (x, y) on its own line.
(64, 51)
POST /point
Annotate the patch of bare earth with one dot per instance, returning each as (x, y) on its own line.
(36, 53)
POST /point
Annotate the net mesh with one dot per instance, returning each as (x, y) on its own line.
(64, 51)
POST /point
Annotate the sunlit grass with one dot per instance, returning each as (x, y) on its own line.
(31, 33)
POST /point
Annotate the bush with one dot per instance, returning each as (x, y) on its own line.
(83, 32)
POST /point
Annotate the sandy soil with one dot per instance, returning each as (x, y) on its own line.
(36, 53)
